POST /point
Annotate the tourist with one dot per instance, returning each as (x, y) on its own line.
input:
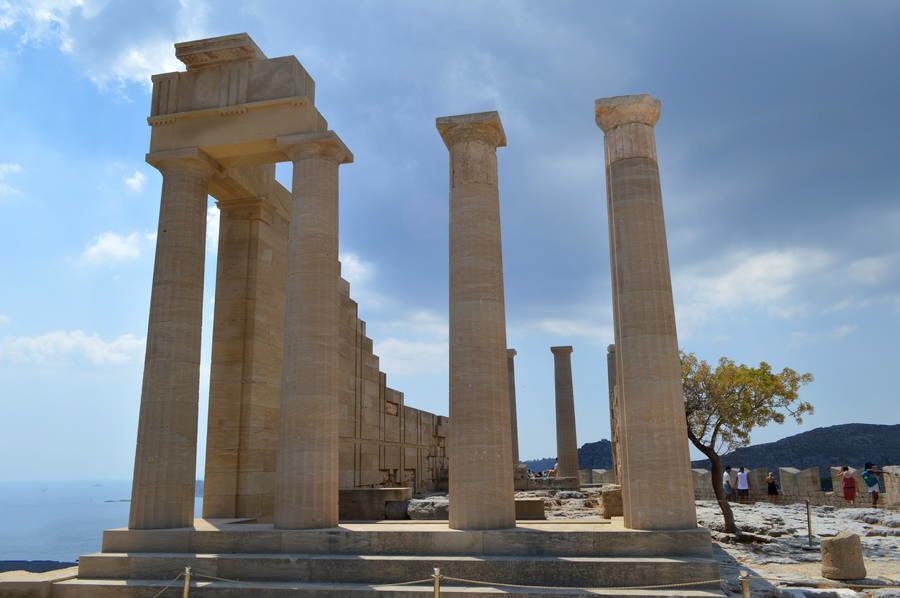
(848, 484)
(870, 479)
(772, 488)
(727, 484)
(743, 485)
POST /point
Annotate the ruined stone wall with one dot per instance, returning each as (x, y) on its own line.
(383, 441)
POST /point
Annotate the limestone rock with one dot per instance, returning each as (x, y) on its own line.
(842, 557)
(433, 507)
(611, 501)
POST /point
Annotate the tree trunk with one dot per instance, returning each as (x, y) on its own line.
(717, 479)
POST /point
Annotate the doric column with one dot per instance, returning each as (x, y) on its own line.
(613, 408)
(657, 487)
(245, 377)
(162, 493)
(480, 440)
(566, 439)
(513, 420)
(307, 475)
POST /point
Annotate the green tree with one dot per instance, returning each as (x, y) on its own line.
(724, 404)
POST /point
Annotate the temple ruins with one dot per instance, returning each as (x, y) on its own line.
(300, 415)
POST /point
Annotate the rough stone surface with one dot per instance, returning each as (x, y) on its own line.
(842, 557)
(513, 418)
(611, 501)
(433, 507)
(530, 508)
(370, 504)
(566, 441)
(657, 491)
(480, 442)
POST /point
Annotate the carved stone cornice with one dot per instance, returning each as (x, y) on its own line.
(480, 126)
(190, 159)
(326, 145)
(619, 110)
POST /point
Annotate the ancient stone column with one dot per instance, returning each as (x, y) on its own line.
(480, 439)
(245, 377)
(657, 488)
(514, 426)
(613, 408)
(307, 473)
(162, 493)
(566, 440)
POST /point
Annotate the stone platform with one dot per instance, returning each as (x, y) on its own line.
(569, 557)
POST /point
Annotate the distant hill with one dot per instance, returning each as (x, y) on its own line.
(852, 444)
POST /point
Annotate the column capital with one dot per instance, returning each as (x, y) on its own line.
(325, 144)
(619, 110)
(248, 208)
(187, 158)
(479, 126)
(510, 353)
(611, 348)
(563, 350)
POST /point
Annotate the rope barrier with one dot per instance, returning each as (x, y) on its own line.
(442, 577)
(169, 585)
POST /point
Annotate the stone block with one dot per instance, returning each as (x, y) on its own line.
(530, 508)
(842, 557)
(891, 485)
(795, 482)
(611, 501)
(23, 584)
(369, 504)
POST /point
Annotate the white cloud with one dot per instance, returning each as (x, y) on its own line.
(871, 270)
(110, 247)
(422, 322)
(4, 319)
(766, 280)
(110, 46)
(61, 343)
(212, 229)
(843, 330)
(8, 168)
(356, 271)
(575, 327)
(412, 357)
(136, 182)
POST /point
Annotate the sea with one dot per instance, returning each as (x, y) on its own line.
(60, 521)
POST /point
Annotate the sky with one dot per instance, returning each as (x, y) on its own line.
(778, 146)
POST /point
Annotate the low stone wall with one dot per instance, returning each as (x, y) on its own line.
(596, 476)
(797, 486)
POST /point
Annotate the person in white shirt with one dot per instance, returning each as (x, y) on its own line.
(743, 485)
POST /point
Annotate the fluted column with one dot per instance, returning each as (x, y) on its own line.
(566, 439)
(513, 419)
(613, 408)
(657, 487)
(162, 493)
(479, 443)
(307, 477)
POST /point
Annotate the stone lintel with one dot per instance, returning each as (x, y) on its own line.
(620, 110)
(562, 350)
(192, 156)
(511, 353)
(326, 144)
(214, 51)
(480, 125)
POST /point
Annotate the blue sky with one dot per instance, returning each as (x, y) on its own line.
(778, 148)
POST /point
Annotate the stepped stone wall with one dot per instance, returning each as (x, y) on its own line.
(383, 441)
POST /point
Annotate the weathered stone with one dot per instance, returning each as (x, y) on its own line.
(842, 557)
(611, 501)
(513, 418)
(654, 455)
(795, 482)
(566, 440)
(370, 504)
(480, 441)
(433, 507)
(530, 508)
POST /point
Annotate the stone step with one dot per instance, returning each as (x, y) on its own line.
(547, 571)
(87, 588)
(422, 538)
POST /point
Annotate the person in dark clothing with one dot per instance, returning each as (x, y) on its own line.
(772, 487)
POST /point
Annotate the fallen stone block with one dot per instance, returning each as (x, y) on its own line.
(842, 557)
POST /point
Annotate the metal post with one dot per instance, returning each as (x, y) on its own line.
(437, 582)
(187, 582)
(809, 522)
(745, 584)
